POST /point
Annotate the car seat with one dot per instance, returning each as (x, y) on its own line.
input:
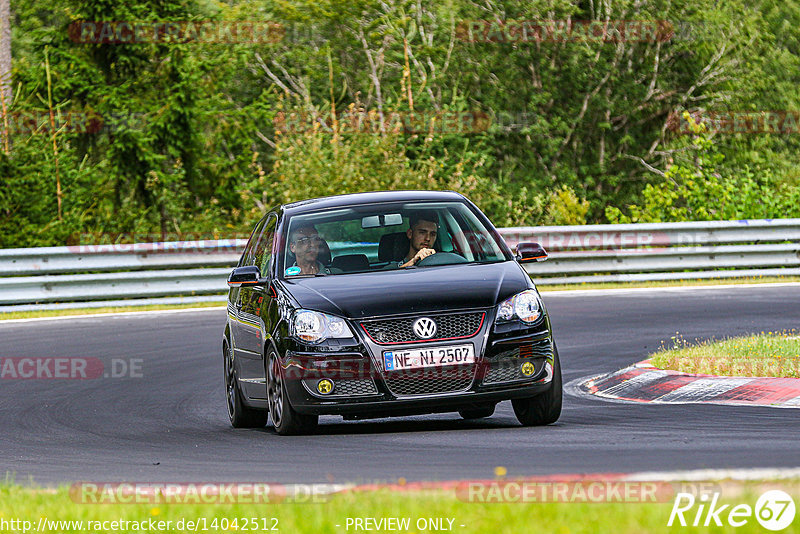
(351, 262)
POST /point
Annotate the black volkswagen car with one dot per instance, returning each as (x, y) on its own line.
(387, 303)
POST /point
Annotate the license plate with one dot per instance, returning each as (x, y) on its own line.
(396, 360)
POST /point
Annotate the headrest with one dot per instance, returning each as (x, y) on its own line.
(351, 262)
(393, 247)
(324, 256)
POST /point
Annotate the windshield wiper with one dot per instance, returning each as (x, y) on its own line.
(485, 261)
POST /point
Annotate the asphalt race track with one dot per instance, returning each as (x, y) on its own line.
(171, 423)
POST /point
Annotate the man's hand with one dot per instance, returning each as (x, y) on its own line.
(422, 253)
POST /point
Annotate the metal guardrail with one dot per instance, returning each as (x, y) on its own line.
(656, 234)
(120, 257)
(663, 251)
(86, 274)
(143, 284)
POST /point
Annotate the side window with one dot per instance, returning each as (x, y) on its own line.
(263, 251)
(251, 243)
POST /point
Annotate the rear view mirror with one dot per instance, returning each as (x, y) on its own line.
(374, 221)
(528, 252)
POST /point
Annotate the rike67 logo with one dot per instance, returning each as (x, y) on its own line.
(774, 510)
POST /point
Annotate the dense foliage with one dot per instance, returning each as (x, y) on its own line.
(178, 137)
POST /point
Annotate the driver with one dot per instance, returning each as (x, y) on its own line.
(305, 242)
(421, 234)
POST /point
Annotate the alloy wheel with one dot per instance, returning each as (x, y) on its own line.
(230, 381)
(275, 391)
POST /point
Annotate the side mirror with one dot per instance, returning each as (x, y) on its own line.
(248, 275)
(528, 252)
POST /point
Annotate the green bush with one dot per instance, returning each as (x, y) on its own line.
(564, 207)
(695, 190)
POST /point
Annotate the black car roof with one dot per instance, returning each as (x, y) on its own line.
(354, 199)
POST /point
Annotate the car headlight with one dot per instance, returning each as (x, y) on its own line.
(524, 306)
(314, 326)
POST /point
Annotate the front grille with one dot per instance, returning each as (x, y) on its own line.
(505, 372)
(449, 326)
(430, 380)
(345, 388)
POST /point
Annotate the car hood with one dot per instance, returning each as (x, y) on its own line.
(420, 290)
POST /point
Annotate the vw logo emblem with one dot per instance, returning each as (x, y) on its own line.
(424, 328)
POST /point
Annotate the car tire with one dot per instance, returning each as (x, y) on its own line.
(477, 412)
(240, 415)
(544, 408)
(285, 419)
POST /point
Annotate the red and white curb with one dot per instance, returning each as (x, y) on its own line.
(642, 382)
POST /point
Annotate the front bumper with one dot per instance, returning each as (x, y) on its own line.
(513, 364)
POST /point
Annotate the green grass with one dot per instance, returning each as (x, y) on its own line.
(115, 309)
(671, 283)
(17, 502)
(766, 354)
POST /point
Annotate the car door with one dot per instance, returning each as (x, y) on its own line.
(252, 330)
(234, 293)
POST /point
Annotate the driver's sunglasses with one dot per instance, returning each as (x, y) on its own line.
(303, 241)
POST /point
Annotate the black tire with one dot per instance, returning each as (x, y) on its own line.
(544, 408)
(477, 412)
(240, 415)
(285, 419)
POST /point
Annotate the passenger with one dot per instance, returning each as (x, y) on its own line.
(305, 243)
(421, 234)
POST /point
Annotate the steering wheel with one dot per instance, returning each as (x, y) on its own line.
(441, 258)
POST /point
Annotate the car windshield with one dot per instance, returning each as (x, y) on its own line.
(386, 237)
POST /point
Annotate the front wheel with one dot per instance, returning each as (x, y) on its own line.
(544, 408)
(241, 416)
(284, 418)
